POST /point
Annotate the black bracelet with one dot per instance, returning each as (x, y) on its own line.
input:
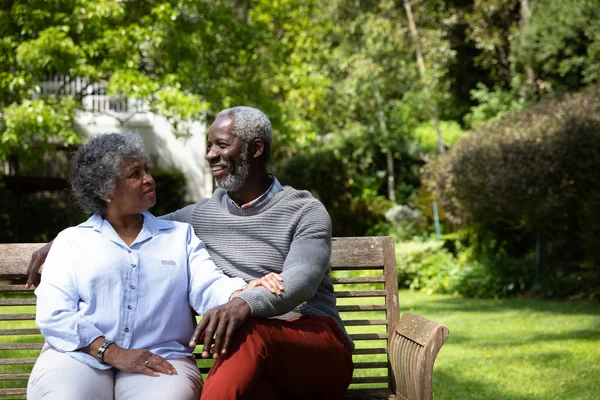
(102, 349)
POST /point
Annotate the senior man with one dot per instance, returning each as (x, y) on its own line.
(266, 345)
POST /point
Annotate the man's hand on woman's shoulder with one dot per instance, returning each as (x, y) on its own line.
(38, 258)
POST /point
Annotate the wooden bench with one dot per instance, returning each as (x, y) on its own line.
(393, 358)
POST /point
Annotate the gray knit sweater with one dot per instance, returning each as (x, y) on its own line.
(289, 234)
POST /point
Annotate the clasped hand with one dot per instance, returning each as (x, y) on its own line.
(220, 323)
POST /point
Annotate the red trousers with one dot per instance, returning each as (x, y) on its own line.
(270, 359)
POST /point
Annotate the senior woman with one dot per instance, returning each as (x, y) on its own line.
(115, 305)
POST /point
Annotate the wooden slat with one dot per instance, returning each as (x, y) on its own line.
(14, 288)
(15, 258)
(14, 377)
(15, 361)
(362, 307)
(370, 350)
(365, 322)
(13, 391)
(370, 364)
(17, 302)
(6, 332)
(352, 267)
(17, 317)
(362, 279)
(360, 293)
(369, 394)
(368, 336)
(21, 346)
(371, 379)
(359, 251)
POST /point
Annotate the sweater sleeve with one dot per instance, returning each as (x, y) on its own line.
(303, 269)
(181, 215)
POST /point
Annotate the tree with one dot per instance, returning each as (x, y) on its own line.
(134, 47)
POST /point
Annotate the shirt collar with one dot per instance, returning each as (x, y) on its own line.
(263, 198)
(151, 227)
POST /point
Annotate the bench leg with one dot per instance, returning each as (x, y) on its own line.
(415, 343)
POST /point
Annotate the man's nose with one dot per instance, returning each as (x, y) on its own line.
(211, 155)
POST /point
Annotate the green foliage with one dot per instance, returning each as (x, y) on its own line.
(35, 217)
(426, 136)
(491, 105)
(430, 267)
(532, 174)
(560, 43)
(170, 191)
(29, 128)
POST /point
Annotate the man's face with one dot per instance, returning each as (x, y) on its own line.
(227, 155)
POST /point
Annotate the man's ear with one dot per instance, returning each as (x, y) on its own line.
(257, 148)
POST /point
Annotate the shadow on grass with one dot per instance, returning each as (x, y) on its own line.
(448, 386)
(491, 305)
(459, 338)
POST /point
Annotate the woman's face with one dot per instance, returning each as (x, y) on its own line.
(134, 191)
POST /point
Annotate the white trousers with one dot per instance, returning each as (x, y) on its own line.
(57, 376)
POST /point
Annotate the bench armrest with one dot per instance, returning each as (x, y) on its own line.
(414, 345)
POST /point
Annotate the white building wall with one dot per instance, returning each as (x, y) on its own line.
(165, 149)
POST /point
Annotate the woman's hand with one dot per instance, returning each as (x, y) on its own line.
(271, 281)
(137, 360)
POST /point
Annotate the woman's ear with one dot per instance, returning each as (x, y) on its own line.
(257, 147)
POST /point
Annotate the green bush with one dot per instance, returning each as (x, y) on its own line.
(531, 180)
(430, 267)
(170, 191)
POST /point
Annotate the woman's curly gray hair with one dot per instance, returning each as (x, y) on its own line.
(97, 166)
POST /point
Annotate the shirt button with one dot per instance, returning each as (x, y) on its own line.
(132, 286)
(132, 265)
(126, 329)
(129, 307)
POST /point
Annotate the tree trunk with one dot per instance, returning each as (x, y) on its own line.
(530, 84)
(421, 63)
(391, 180)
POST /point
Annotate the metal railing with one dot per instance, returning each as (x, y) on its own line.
(92, 95)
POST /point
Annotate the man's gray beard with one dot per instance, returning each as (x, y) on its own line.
(235, 179)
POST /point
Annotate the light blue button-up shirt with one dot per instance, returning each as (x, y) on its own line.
(138, 296)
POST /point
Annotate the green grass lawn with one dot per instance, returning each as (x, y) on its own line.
(513, 349)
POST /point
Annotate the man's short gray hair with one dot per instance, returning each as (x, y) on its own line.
(250, 123)
(97, 166)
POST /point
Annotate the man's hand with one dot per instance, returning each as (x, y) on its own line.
(137, 360)
(220, 323)
(37, 260)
